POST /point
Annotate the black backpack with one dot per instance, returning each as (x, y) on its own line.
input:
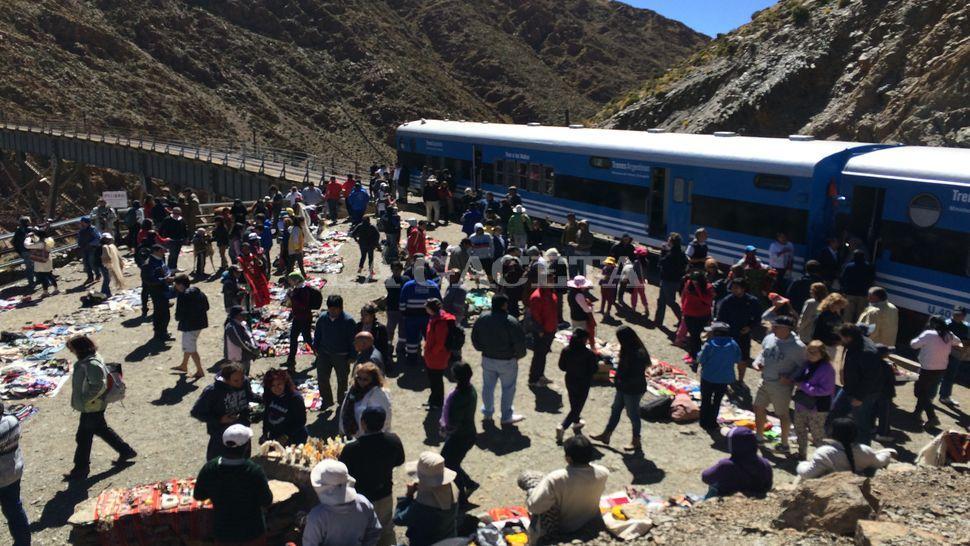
(456, 338)
(316, 298)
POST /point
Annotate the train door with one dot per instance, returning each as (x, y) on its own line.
(476, 167)
(865, 221)
(657, 204)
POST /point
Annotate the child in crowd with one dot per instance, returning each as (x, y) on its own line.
(814, 388)
(717, 359)
(233, 287)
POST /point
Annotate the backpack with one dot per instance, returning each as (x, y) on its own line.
(655, 408)
(455, 339)
(115, 392)
(316, 298)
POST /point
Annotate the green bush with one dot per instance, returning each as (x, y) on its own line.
(800, 14)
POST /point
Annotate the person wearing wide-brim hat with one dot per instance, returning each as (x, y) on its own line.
(581, 307)
(518, 226)
(343, 516)
(430, 508)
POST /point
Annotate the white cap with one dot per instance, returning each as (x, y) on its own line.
(237, 435)
(332, 482)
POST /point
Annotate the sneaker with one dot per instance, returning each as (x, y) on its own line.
(516, 418)
(55, 292)
(950, 402)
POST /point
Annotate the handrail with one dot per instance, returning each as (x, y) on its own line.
(54, 225)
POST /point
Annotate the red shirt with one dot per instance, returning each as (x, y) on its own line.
(348, 186)
(436, 355)
(544, 306)
(333, 190)
(417, 244)
(697, 301)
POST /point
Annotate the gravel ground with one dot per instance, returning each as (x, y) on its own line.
(155, 419)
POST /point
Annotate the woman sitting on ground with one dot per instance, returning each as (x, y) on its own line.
(285, 419)
(841, 453)
(743, 472)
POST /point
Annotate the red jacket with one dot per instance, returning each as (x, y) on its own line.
(544, 306)
(699, 302)
(436, 355)
(348, 186)
(333, 190)
(417, 244)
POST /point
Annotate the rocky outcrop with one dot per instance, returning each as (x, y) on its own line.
(833, 503)
(865, 70)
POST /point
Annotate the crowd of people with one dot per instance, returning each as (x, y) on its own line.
(832, 322)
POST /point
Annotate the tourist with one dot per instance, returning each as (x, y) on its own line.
(882, 316)
(455, 300)
(299, 298)
(780, 360)
(239, 346)
(814, 388)
(89, 385)
(579, 365)
(512, 282)
(569, 238)
(501, 340)
(295, 243)
(781, 256)
(935, 345)
(884, 404)
(176, 230)
(233, 291)
(88, 239)
(829, 319)
(192, 316)
(581, 308)
(432, 200)
(333, 194)
(343, 516)
(799, 291)
(518, 227)
(417, 243)
(251, 262)
(742, 312)
(543, 309)
(672, 264)
(429, 509)
(458, 427)
(863, 381)
(333, 342)
(365, 351)
(697, 299)
(697, 250)
(459, 257)
(717, 359)
(960, 329)
(103, 217)
(809, 311)
(285, 419)
(238, 490)
(392, 229)
(369, 324)
(634, 279)
(743, 472)
(11, 471)
(437, 351)
(535, 233)
(624, 247)
(220, 235)
(483, 249)
(112, 268)
(368, 238)
(414, 296)
(567, 499)
(238, 210)
(841, 453)
(357, 201)
(38, 246)
(857, 277)
(18, 242)
(222, 404)
(133, 219)
(830, 261)
(470, 218)
(371, 459)
(630, 383)
(609, 280)
(155, 277)
(366, 391)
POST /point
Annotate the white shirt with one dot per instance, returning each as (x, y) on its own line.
(291, 197)
(934, 351)
(831, 458)
(780, 255)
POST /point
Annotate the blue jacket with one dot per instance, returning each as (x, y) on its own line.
(857, 277)
(154, 272)
(415, 295)
(739, 312)
(717, 358)
(335, 336)
(357, 200)
(468, 221)
(88, 236)
(266, 237)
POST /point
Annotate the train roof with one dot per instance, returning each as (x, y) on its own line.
(794, 156)
(916, 163)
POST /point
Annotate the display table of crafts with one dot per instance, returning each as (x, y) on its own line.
(293, 463)
(164, 513)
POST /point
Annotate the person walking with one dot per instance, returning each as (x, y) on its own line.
(863, 381)
(371, 459)
(437, 353)
(333, 194)
(89, 385)
(501, 340)
(697, 299)
(11, 471)
(238, 489)
(300, 298)
(581, 308)
(431, 197)
(544, 310)
(413, 298)
(829, 319)
(799, 291)
(368, 239)
(579, 365)
(367, 391)
(239, 346)
(38, 246)
(630, 383)
(192, 316)
(518, 227)
(741, 312)
(780, 360)
(357, 201)
(673, 263)
(295, 244)
(697, 251)
(935, 345)
(223, 404)
(809, 311)
(458, 427)
(285, 419)
(882, 316)
(333, 341)
(18, 242)
(176, 230)
(155, 277)
(814, 388)
(88, 239)
(717, 358)
(960, 328)
(857, 277)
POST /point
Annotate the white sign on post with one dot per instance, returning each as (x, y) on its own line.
(116, 199)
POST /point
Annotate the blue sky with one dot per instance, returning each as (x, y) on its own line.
(707, 16)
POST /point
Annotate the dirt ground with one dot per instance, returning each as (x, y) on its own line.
(155, 419)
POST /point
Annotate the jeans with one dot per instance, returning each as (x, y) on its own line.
(174, 249)
(92, 263)
(93, 424)
(543, 344)
(436, 379)
(13, 510)
(695, 327)
(924, 389)
(864, 416)
(162, 314)
(105, 280)
(325, 364)
(297, 328)
(368, 255)
(28, 268)
(883, 406)
(630, 402)
(950, 377)
(667, 297)
(577, 395)
(711, 396)
(454, 450)
(494, 371)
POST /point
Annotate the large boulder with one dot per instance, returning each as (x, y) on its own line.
(833, 503)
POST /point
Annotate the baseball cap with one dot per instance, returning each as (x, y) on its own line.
(750, 248)
(237, 435)
(783, 320)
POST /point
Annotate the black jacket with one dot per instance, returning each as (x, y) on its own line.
(371, 460)
(631, 372)
(863, 370)
(500, 336)
(191, 310)
(19, 236)
(825, 329)
(580, 365)
(381, 341)
(739, 312)
(219, 399)
(285, 416)
(799, 291)
(673, 263)
(366, 235)
(857, 277)
(174, 229)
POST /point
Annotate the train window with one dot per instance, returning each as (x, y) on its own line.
(937, 249)
(924, 210)
(678, 190)
(772, 182)
(600, 162)
(500, 179)
(603, 194)
(748, 218)
(549, 181)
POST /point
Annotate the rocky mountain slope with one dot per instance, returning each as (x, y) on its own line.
(329, 76)
(867, 70)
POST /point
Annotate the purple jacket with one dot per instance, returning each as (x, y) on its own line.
(744, 471)
(818, 382)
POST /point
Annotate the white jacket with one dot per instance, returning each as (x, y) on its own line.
(831, 458)
(375, 398)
